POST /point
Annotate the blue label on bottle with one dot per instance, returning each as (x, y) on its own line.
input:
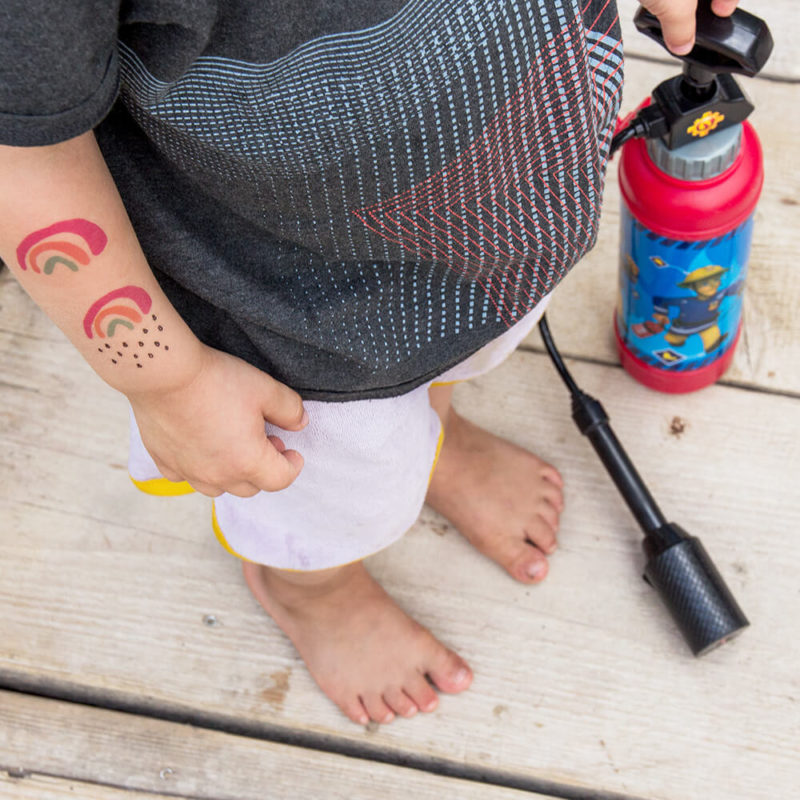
(680, 302)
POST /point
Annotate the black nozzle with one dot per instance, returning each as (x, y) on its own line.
(740, 43)
(678, 567)
(692, 589)
(592, 421)
(706, 97)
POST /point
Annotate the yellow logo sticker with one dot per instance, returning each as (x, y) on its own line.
(702, 126)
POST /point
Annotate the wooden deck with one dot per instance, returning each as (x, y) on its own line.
(135, 664)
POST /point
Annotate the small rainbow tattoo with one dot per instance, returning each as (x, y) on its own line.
(70, 243)
(125, 309)
(123, 306)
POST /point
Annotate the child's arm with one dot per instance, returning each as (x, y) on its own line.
(66, 237)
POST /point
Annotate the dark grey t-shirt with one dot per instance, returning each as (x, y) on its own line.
(353, 195)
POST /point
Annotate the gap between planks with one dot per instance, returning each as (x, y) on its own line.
(142, 707)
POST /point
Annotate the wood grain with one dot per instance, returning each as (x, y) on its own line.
(45, 787)
(50, 750)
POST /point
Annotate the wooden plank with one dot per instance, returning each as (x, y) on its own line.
(43, 787)
(582, 681)
(47, 747)
(782, 17)
(768, 355)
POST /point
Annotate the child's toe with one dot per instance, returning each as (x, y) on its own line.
(450, 672)
(552, 494)
(377, 708)
(355, 711)
(528, 563)
(551, 474)
(400, 702)
(421, 692)
(544, 526)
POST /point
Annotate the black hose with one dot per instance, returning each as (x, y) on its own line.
(555, 356)
(625, 135)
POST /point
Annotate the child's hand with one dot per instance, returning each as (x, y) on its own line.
(210, 432)
(678, 20)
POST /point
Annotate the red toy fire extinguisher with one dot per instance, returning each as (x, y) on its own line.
(690, 174)
(690, 185)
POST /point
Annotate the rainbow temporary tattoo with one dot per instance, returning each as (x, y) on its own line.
(42, 253)
(126, 308)
(133, 302)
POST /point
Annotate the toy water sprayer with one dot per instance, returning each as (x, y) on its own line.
(689, 189)
(691, 173)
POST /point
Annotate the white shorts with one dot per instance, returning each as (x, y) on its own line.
(367, 468)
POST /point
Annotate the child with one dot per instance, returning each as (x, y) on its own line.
(339, 209)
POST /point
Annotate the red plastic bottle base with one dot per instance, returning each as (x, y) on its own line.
(664, 380)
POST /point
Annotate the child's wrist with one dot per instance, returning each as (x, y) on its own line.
(155, 368)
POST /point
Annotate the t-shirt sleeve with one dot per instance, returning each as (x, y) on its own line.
(59, 72)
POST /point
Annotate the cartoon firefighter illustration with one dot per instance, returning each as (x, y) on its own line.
(698, 314)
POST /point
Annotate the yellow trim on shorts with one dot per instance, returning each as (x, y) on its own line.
(435, 384)
(161, 487)
(436, 454)
(221, 536)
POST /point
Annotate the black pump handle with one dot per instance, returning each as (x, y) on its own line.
(740, 43)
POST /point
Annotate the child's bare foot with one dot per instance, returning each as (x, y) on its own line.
(503, 499)
(366, 654)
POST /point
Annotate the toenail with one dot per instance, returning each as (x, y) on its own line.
(536, 569)
(461, 676)
(388, 718)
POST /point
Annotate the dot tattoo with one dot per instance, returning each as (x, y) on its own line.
(121, 308)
